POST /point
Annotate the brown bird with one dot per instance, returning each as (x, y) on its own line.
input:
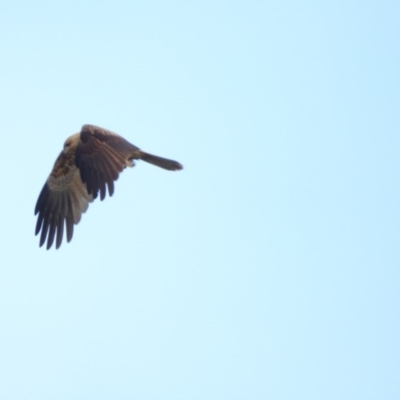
(90, 161)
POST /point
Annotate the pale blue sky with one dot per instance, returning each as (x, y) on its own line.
(269, 267)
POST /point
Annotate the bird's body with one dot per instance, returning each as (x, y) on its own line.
(88, 165)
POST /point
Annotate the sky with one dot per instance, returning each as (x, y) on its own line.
(268, 268)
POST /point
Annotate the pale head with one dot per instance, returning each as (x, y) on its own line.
(72, 143)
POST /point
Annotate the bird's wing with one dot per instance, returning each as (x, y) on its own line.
(61, 202)
(101, 156)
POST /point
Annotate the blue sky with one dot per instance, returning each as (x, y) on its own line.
(269, 267)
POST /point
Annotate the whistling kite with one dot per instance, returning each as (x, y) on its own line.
(89, 161)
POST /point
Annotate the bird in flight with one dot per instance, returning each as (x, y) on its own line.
(87, 166)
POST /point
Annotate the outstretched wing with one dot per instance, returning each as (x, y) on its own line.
(101, 156)
(62, 201)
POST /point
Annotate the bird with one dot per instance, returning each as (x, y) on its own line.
(86, 168)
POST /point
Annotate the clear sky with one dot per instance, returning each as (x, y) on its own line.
(269, 267)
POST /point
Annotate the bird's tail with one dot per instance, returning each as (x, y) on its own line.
(161, 162)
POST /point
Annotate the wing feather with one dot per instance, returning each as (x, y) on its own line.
(45, 228)
(101, 156)
(60, 231)
(62, 201)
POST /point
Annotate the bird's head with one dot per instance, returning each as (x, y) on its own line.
(71, 143)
